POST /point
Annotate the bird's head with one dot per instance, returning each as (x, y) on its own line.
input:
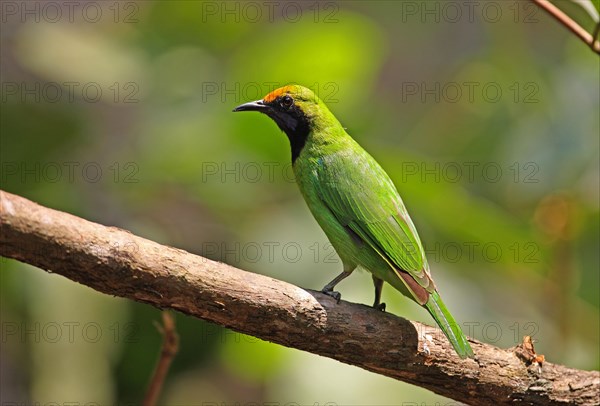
(296, 110)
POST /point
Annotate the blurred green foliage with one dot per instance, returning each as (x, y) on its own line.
(487, 122)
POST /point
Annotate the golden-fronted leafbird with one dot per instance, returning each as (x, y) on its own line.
(356, 204)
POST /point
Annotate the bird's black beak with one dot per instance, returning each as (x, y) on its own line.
(257, 105)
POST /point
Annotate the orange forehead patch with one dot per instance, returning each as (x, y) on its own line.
(276, 93)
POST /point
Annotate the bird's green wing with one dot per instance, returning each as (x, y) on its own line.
(362, 197)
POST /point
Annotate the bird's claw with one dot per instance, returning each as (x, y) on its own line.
(336, 295)
(379, 306)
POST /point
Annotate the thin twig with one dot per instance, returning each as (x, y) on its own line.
(570, 24)
(596, 32)
(168, 351)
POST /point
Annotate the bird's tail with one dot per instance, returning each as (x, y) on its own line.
(449, 326)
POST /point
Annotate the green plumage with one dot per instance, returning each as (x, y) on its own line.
(356, 204)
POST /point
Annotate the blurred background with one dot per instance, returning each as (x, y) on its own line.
(484, 114)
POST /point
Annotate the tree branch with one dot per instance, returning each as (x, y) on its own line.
(119, 263)
(571, 25)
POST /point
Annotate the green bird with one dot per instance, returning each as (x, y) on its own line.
(356, 204)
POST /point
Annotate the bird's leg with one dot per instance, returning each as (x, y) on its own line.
(328, 289)
(378, 287)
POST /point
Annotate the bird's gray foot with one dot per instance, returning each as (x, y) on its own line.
(336, 295)
(378, 287)
(328, 289)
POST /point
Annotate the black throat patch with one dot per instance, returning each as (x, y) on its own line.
(294, 123)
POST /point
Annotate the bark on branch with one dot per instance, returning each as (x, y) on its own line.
(119, 263)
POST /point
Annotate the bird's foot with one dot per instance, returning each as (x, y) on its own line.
(336, 295)
(379, 306)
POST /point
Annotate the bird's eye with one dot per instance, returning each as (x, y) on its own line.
(286, 101)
